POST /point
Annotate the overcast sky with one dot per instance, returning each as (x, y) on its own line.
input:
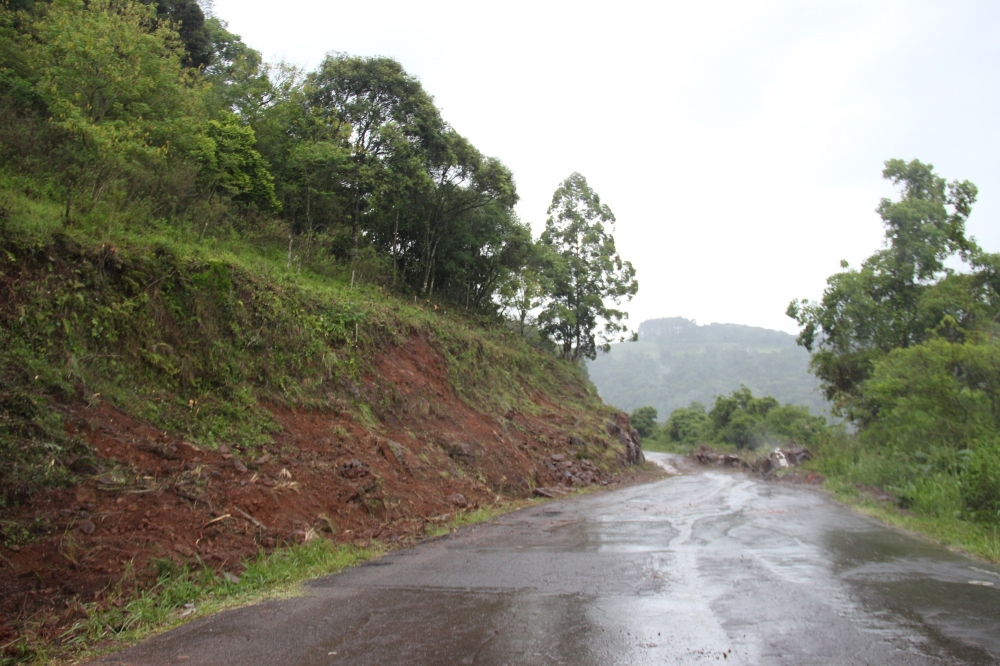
(739, 142)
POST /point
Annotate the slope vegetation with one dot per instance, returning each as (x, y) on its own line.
(168, 401)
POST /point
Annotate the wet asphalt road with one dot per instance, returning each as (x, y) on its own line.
(707, 566)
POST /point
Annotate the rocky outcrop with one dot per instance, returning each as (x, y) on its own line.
(629, 437)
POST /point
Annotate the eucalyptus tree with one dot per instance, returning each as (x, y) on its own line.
(584, 274)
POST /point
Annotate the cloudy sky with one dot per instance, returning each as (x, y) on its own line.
(739, 142)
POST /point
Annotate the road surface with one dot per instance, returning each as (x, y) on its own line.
(705, 567)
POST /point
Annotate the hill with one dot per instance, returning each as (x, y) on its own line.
(196, 403)
(676, 362)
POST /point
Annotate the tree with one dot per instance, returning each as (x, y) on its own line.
(643, 419)
(188, 20)
(112, 78)
(901, 293)
(524, 292)
(585, 272)
(688, 425)
(462, 181)
(231, 164)
(384, 106)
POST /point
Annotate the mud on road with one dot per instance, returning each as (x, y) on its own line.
(707, 566)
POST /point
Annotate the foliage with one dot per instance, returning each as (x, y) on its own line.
(583, 273)
(688, 426)
(903, 292)
(906, 346)
(643, 419)
(186, 17)
(111, 79)
(147, 109)
(933, 410)
(742, 421)
(232, 164)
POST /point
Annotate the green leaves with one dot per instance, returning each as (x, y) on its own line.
(643, 419)
(903, 293)
(584, 272)
(230, 162)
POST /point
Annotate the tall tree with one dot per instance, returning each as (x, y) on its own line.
(112, 78)
(586, 272)
(384, 106)
(903, 292)
(186, 17)
(463, 180)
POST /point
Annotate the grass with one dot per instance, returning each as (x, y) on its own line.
(195, 334)
(130, 613)
(975, 539)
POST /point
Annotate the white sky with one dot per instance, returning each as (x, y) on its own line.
(739, 142)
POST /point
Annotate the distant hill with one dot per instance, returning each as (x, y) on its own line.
(676, 362)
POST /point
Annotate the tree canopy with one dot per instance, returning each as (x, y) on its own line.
(149, 105)
(906, 292)
(907, 347)
(584, 273)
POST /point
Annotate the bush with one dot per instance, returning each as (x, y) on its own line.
(688, 426)
(643, 419)
(980, 484)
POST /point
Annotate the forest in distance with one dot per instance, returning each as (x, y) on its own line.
(675, 362)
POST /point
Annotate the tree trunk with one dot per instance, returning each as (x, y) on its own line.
(69, 206)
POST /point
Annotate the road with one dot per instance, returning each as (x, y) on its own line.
(705, 567)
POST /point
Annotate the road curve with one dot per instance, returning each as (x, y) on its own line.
(707, 566)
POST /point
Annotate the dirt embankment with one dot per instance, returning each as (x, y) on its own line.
(423, 456)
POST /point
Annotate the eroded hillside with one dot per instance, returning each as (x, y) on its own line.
(157, 406)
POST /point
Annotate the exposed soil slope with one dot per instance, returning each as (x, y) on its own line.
(400, 444)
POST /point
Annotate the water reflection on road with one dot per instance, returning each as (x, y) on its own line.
(707, 566)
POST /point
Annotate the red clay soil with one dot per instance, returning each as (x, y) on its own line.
(162, 497)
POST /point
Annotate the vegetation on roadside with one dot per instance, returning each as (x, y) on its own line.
(190, 233)
(906, 347)
(738, 421)
(129, 612)
(122, 114)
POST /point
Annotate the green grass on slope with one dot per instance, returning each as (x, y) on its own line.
(129, 613)
(192, 332)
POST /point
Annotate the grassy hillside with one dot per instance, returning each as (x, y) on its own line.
(176, 400)
(676, 362)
